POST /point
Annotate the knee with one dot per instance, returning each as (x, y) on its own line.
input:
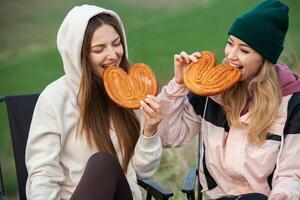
(104, 161)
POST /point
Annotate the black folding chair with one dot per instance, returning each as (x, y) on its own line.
(191, 182)
(189, 185)
(20, 109)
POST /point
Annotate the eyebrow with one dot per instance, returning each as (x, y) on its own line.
(242, 44)
(102, 45)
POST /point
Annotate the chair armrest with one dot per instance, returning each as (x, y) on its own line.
(189, 183)
(154, 189)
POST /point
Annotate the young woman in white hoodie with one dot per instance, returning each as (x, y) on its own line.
(81, 145)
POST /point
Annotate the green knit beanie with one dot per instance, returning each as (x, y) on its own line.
(263, 28)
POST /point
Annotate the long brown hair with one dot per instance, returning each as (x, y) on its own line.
(97, 110)
(266, 98)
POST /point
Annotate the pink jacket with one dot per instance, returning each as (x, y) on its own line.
(229, 164)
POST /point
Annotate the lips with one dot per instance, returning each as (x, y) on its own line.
(237, 66)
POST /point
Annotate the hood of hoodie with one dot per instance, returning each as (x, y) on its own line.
(289, 81)
(70, 37)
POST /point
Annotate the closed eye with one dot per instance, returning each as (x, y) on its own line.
(97, 50)
(116, 42)
(245, 51)
(229, 43)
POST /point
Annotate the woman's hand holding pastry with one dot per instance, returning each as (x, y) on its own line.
(181, 61)
(153, 112)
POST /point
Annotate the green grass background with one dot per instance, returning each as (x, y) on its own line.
(156, 30)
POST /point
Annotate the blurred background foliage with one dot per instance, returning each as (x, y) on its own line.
(156, 30)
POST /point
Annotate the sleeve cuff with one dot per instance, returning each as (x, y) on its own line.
(146, 142)
(175, 90)
(175, 84)
(290, 188)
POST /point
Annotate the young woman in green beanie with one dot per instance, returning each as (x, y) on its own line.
(250, 134)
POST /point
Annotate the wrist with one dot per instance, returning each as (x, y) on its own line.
(179, 81)
(149, 132)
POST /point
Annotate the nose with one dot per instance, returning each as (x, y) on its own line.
(111, 53)
(232, 54)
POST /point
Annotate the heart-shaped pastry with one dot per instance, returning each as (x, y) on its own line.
(127, 90)
(205, 79)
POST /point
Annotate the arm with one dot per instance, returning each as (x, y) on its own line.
(288, 177)
(148, 149)
(146, 158)
(287, 181)
(181, 123)
(42, 154)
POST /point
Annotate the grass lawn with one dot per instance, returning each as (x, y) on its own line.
(156, 30)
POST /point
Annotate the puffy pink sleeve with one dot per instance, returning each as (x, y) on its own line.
(181, 123)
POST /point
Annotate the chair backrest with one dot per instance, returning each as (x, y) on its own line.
(20, 109)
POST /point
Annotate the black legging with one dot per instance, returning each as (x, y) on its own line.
(250, 196)
(103, 178)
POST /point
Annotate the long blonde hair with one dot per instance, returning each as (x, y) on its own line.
(97, 110)
(265, 93)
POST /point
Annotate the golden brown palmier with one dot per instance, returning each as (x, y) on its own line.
(127, 90)
(205, 79)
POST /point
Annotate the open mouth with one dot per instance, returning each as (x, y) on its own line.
(108, 65)
(237, 66)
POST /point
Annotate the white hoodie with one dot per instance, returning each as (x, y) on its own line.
(55, 157)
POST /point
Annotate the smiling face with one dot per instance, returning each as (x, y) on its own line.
(106, 49)
(239, 54)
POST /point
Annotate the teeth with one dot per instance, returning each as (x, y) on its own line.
(108, 65)
(233, 65)
(237, 66)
